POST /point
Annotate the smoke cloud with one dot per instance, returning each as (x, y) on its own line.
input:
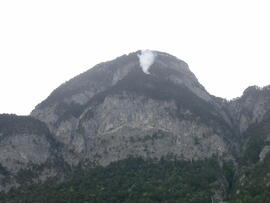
(147, 58)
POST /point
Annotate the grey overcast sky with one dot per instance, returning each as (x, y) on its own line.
(45, 43)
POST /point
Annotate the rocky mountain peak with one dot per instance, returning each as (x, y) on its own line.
(82, 88)
(148, 93)
(251, 107)
(251, 90)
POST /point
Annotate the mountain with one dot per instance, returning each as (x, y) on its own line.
(115, 110)
(148, 105)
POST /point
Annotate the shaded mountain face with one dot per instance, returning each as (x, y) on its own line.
(115, 110)
(26, 134)
(25, 144)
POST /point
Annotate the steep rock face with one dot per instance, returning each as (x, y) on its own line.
(127, 125)
(251, 107)
(24, 142)
(115, 110)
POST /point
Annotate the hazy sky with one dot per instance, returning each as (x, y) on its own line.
(45, 43)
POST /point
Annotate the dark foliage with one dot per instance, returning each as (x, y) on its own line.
(131, 180)
(253, 184)
(255, 140)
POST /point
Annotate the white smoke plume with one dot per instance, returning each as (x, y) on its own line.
(147, 58)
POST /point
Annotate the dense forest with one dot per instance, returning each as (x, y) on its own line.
(135, 180)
